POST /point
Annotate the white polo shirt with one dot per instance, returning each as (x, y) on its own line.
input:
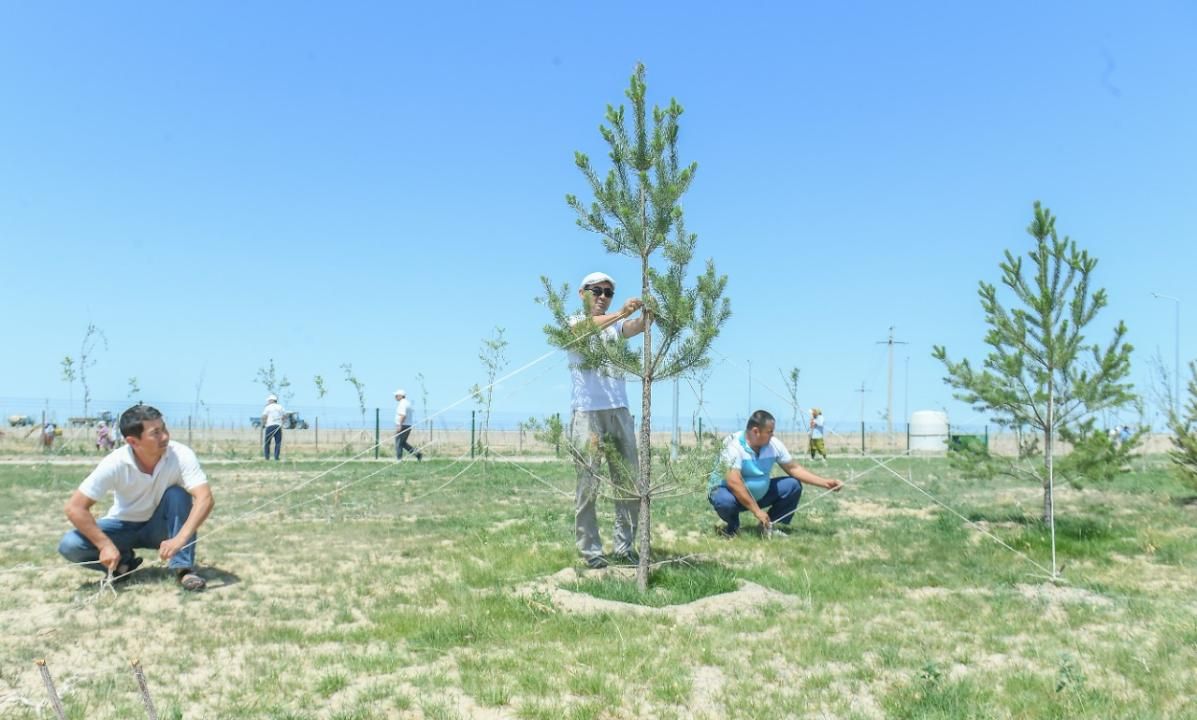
(274, 414)
(136, 495)
(601, 388)
(403, 412)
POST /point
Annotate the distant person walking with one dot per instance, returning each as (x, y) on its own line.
(272, 420)
(49, 432)
(817, 443)
(601, 428)
(104, 439)
(403, 420)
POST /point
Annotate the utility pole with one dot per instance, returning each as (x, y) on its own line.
(889, 391)
(862, 390)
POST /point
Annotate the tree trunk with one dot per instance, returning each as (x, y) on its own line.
(643, 483)
(1048, 436)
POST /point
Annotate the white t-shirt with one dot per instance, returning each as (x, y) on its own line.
(403, 412)
(601, 388)
(274, 414)
(136, 495)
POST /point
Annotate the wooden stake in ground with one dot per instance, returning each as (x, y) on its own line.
(150, 712)
(54, 701)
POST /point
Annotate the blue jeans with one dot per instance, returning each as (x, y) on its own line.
(275, 432)
(164, 524)
(781, 501)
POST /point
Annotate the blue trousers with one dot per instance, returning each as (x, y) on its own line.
(165, 523)
(781, 502)
(274, 432)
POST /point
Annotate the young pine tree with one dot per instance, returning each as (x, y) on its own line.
(637, 212)
(1040, 372)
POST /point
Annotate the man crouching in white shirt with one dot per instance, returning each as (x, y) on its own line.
(160, 498)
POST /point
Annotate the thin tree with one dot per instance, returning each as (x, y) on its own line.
(493, 356)
(359, 387)
(1040, 373)
(92, 338)
(698, 378)
(321, 391)
(637, 212)
(268, 378)
(1184, 433)
(424, 403)
(285, 391)
(68, 376)
(134, 388)
(790, 379)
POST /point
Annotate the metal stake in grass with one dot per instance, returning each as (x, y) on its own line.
(150, 712)
(54, 701)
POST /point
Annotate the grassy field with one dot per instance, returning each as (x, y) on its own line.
(416, 592)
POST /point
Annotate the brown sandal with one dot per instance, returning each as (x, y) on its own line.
(190, 581)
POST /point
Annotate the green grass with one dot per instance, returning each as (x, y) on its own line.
(386, 601)
(673, 584)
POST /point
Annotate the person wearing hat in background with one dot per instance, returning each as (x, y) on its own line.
(817, 444)
(272, 420)
(403, 419)
(600, 422)
(104, 439)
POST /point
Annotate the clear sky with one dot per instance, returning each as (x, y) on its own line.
(217, 184)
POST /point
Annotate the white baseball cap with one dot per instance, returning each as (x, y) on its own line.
(595, 278)
(401, 391)
(271, 398)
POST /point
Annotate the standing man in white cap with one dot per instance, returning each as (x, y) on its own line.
(601, 428)
(272, 420)
(403, 420)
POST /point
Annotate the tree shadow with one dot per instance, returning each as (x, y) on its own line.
(1185, 500)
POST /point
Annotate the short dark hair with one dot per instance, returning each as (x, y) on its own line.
(133, 419)
(759, 419)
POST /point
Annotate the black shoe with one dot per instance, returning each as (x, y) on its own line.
(419, 457)
(598, 562)
(125, 569)
(725, 533)
(631, 557)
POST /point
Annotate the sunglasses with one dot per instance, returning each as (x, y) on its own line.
(601, 292)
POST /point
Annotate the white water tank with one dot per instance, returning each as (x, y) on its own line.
(929, 431)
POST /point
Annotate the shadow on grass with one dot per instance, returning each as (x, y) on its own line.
(217, 578)
(672, 581)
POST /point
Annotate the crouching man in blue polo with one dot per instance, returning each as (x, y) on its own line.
(741, 479)
(160, 498)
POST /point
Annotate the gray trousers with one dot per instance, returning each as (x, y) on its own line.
(605, 436)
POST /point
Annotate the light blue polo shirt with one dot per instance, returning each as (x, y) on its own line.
(754, 467)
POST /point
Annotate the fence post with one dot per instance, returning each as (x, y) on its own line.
(376, 432)
(317, 434)
(862, 438)
(188, 431)
(557, 449)
(907, 437)
(699, 434)
(472, 414)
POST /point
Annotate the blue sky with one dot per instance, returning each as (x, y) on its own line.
(218, 184)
